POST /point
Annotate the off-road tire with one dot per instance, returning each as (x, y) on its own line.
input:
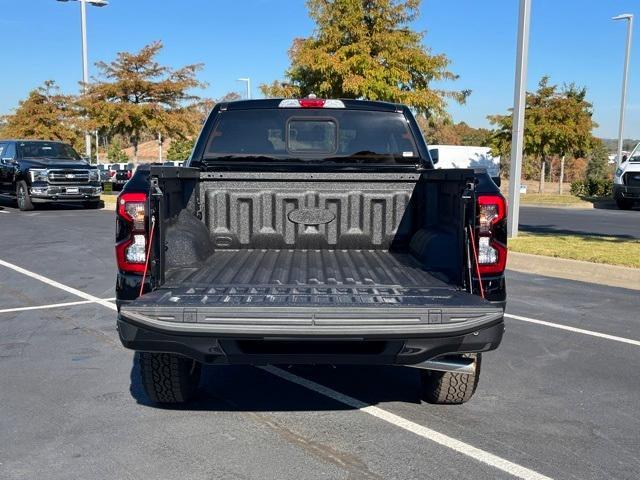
(22, 196)
(169, 378)
(624, 204)
(450, 388)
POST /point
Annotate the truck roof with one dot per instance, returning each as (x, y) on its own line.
(348, 103)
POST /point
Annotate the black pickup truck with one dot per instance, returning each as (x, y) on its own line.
(310, 232)
(35, 171)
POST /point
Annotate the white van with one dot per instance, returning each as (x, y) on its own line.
(626, 181)
(457, 156)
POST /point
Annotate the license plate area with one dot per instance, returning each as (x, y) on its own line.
(71, 190)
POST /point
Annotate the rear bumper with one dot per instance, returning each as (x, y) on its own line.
(371, 344)
(621, 192)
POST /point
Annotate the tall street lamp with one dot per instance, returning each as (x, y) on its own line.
(85, 62)
(625, 76)
(519, 103)
(248, 80)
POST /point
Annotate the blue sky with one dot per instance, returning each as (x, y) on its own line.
(571, 40)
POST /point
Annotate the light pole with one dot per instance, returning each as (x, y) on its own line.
(625, 76)
(519, 104)
(85, 62)
(248, 80)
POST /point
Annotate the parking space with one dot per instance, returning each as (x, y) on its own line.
(17, 292)
(551, 403)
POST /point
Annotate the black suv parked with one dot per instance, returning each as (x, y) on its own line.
(37, 171)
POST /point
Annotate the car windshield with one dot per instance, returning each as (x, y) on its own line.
(295, 134)
(58, 151)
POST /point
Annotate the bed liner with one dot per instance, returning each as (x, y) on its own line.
(319, 292)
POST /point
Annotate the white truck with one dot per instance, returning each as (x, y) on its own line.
(626, 181)
(458, 156)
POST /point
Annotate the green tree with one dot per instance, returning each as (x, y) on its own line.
(136, 95)
(438, 130)
(45, 114)
(473, 137)
(115, 153)
(365, 49)
(598, 163)
(180, 150)
(558, 122)
(442, 131)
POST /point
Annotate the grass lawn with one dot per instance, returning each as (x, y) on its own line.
(611, 250)
(552, 199)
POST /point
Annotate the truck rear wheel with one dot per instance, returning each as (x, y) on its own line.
(22, 196)
(169, 378)
(450, 388)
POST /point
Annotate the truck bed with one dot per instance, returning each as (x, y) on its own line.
(278, 255)
(297, 276)
(274, 292)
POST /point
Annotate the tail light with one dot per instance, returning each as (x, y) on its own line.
(131, 234)
(129, 174)
(111, 173)
(492, 250)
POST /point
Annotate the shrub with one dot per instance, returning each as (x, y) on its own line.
(180, 150)
(592, 187)
(115, 153)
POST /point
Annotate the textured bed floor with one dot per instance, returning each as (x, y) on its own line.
(306, 268)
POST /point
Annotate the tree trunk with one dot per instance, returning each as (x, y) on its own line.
(542, 175)
(561, 175)
(135, 151)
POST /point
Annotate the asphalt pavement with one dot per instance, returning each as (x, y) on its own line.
(592, 221)
(552, 402)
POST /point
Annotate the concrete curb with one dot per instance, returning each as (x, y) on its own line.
(109, 202)
(578, 270)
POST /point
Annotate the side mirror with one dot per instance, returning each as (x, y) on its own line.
(434, 155)
(624, 158)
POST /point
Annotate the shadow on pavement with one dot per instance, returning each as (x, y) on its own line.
(245, 388)
(553, 230)
(606, 203)
(8, 203)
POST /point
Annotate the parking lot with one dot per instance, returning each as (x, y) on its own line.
(559, 399)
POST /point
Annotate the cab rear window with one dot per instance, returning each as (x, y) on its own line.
(308, 136)
(311, 134)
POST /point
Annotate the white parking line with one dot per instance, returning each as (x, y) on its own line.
(574, 329)
(511, 468)
(53, 283)
(52, 305)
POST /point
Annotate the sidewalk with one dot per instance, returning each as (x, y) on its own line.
(611, 275)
